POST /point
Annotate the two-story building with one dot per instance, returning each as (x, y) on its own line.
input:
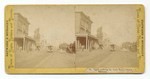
(21, 38)
(84, 39)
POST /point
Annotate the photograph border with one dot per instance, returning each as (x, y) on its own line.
(10, 54)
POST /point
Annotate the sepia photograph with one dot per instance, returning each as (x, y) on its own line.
(75, 36)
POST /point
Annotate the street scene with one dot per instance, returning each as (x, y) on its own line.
(75, 36)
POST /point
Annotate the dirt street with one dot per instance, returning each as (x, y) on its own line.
(57, 59)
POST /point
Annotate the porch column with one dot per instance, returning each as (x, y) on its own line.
(89, 44)
(76, 45)
(86, 42)
(23, 44)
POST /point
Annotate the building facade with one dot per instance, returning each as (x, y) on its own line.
(22, 40)
(84, 39)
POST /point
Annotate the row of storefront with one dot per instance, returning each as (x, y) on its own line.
(86, 42)
(84, 39)
(23, 42)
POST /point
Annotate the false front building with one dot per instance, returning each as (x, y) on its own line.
(84, 39)
(22, 40)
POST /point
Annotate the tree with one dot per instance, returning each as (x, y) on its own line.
(100, 35)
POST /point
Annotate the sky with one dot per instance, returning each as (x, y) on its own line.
(57, 23)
